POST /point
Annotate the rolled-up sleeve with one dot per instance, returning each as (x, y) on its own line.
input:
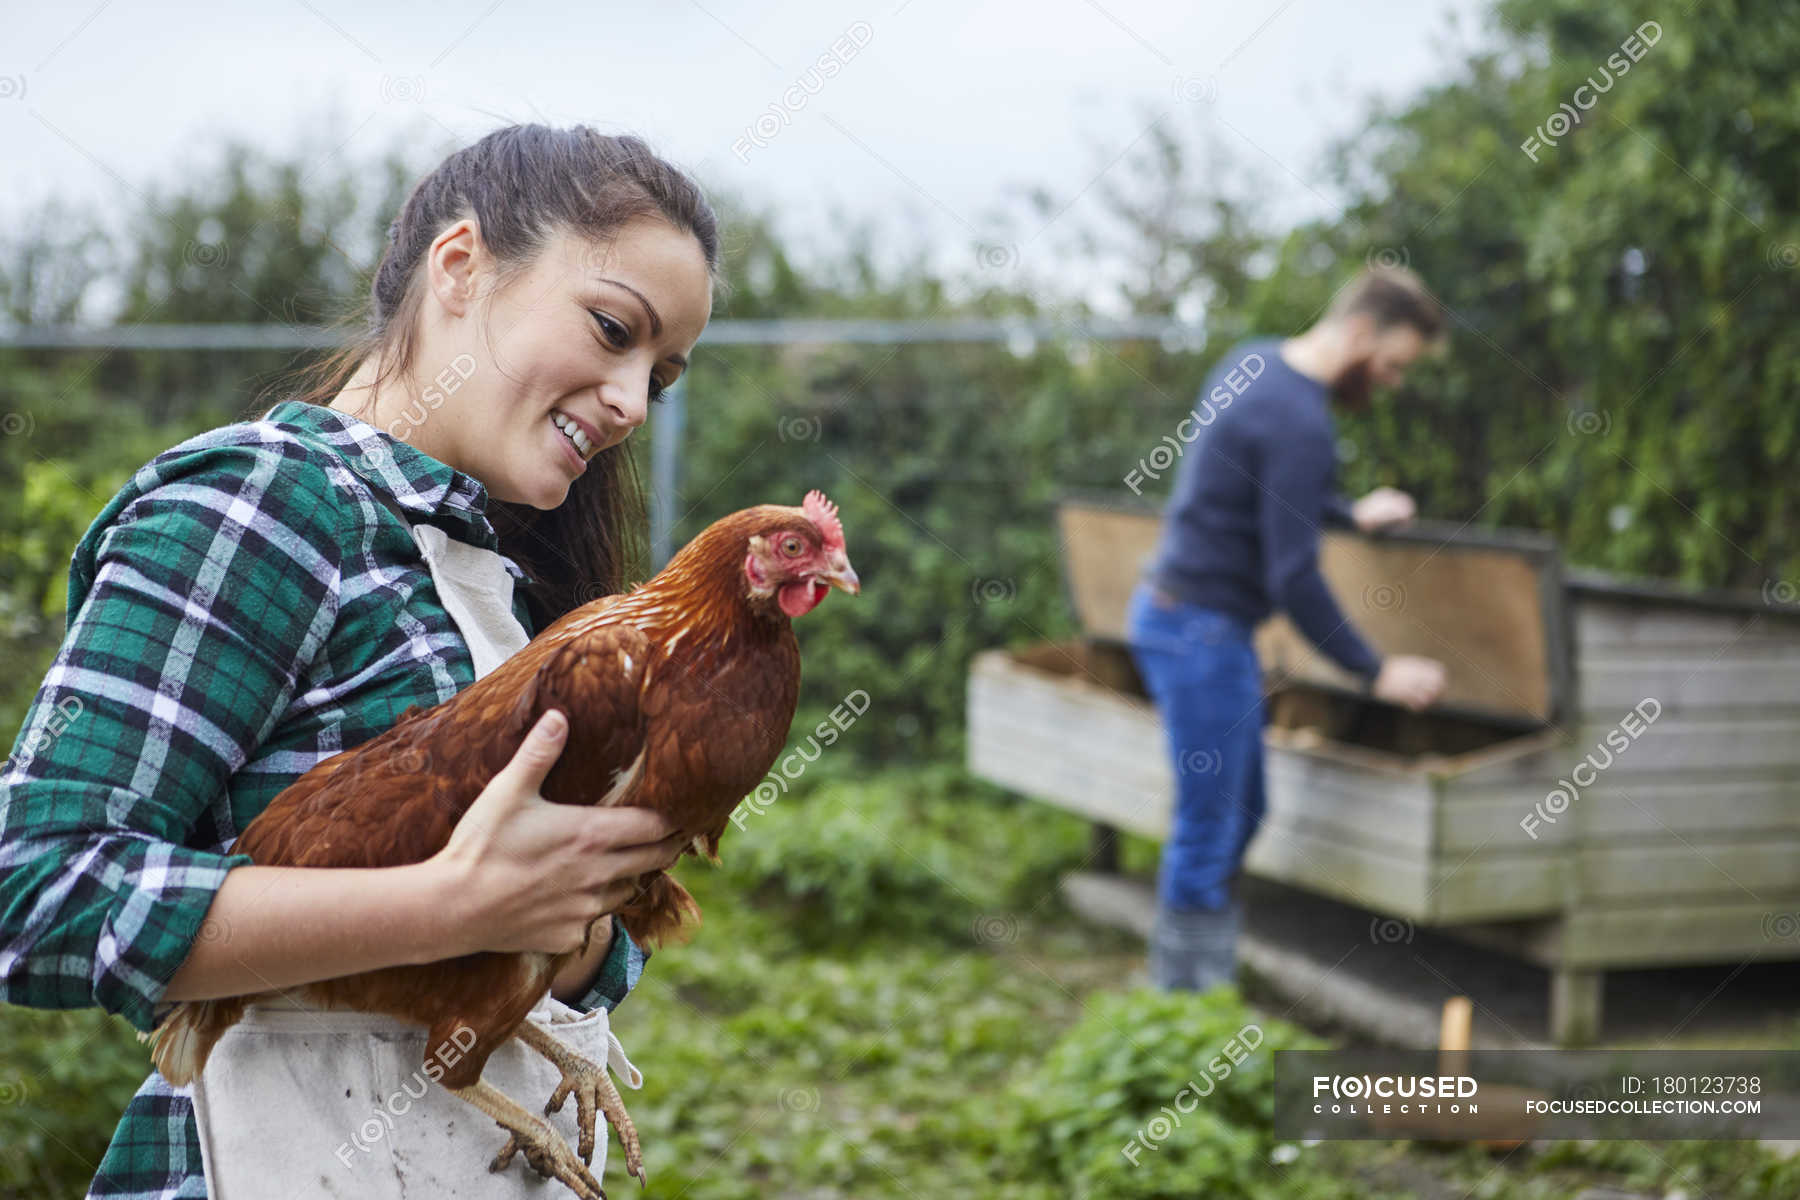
(618, 974)
(195, 612)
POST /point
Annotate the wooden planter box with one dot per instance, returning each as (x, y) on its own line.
(1679, 843)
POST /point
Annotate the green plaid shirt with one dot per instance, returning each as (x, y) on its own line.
(246, 607)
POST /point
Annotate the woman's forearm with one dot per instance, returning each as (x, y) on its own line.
(276, 927)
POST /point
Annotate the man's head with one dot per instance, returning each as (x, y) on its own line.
(1382, 321)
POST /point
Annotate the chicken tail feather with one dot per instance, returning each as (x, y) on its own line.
(659, 911)
(184, 1040)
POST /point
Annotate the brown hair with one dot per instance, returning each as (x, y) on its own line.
(521, 184)
(1392, 296)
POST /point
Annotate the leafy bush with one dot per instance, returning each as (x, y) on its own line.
(927, 851)
(59, 474)
(64, 1079)
(1101, 1113)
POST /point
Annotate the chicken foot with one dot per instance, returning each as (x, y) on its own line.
(592, 1088)
(545, 1149)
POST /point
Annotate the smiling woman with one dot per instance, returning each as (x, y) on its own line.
(575, 272)
(253, 602)
(574, 346)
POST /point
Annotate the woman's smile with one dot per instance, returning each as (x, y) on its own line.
(577, 442)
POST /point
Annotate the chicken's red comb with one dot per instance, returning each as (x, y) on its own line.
(823, 513)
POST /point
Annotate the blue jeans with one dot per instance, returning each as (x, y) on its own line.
(1200, 668)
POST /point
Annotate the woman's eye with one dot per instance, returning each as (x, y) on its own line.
(615, 332)
(619, 336)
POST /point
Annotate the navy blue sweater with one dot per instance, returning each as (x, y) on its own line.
(1252, 491)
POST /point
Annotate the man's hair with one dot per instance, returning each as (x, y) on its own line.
(1392, 296)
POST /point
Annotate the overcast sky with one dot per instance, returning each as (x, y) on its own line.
(929, 113)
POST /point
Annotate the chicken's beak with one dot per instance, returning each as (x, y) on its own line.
(841, 575)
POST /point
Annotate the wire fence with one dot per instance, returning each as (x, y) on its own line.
(1021, 335)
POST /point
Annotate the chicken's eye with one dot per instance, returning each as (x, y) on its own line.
(790, 545)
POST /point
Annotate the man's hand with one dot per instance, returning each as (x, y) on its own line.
(1382, 508)
(1410, 681)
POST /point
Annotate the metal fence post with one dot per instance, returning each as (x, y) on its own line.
(665, 459)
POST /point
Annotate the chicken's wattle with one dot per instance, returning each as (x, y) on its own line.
(798, 597)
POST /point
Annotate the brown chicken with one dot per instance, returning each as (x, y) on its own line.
(679, 695)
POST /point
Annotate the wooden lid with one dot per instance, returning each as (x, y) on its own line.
(1488, 604)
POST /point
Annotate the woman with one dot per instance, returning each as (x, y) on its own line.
(252, 602)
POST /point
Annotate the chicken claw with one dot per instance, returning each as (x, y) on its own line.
(593, 1089)
(550, 1157)
(544, 1147)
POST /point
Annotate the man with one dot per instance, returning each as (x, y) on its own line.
(1240, 540)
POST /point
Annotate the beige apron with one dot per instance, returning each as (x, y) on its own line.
(300, 1103)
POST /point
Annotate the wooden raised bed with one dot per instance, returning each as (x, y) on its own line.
(1685, 848)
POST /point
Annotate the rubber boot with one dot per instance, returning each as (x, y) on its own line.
(1194, 950)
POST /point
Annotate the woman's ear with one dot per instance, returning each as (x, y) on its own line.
(453, 265)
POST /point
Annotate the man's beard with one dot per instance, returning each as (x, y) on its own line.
(1352, 390)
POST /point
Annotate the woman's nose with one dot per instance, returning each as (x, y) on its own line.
(625, 408)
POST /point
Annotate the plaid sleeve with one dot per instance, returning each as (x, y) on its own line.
(211, 591)
(618, 974)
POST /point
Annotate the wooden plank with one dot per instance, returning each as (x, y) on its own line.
(1406, 885)
(1387, 883)
(1729, 745)
(1727, 868)
(1493, 886)
(1386, 809)
(1140, 812)
(1069, 744)
(1646, 624)
(1690, 680)
(1640, 935)
(1685, 804)
(1099, 795)
(1496, 824)
(1688, 743)
(1672, 742)
(1127, 742)
(1603, 587)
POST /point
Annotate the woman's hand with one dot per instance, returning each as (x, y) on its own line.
(522, 874)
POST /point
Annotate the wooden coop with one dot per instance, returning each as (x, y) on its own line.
(1611, 780)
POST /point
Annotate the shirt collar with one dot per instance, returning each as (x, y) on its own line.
(426, 488)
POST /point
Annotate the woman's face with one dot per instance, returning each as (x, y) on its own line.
(579, 343)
